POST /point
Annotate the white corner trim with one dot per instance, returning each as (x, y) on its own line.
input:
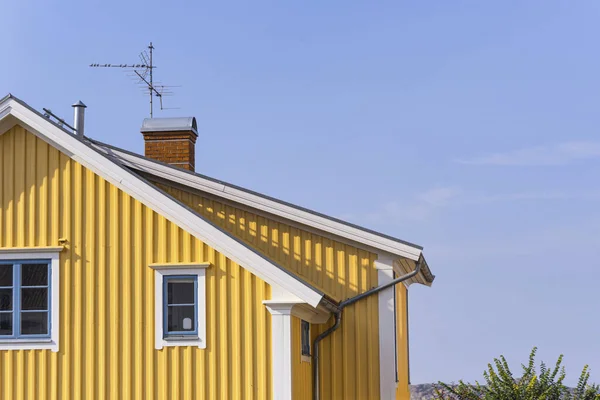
(158, 201)
(281, 351)
(159, 339)
(180, 265)
(47, 253)
(384, 262)
(387, 340)
(277, 208)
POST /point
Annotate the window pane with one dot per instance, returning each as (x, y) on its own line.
(6, 299)
(34, 274)
(34, 323)
(34, 299)
(5, 324)
(181, 318)
(305, 338)
(6, 275)
(180, 292)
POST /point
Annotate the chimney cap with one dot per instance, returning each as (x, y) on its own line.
(79, 104)
(179, 124)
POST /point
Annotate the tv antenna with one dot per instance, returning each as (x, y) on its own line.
(144, 74)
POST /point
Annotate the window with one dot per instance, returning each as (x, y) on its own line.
(305, 327)
(180, 304)
(180, 313)
(29, 284)
(24, 299)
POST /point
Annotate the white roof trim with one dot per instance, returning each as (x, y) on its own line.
(155, 199)
(225, 191)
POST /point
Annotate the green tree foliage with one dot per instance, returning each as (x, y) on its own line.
(547, 384)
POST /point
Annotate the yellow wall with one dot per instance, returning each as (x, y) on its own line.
(107, 292)
(350, 357)
(301, 369)
(402, 390)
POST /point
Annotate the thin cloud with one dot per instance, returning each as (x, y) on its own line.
(428, 203)
(419, 208)
(440, 196)
(559, 154)
(475, 199)
(562, 239)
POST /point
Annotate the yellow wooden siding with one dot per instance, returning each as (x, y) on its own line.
(402, 390)
(301, 370)
(349, 360)
(106, 346)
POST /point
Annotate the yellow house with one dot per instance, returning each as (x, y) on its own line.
(125, 277)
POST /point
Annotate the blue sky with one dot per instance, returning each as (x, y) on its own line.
(468, 127)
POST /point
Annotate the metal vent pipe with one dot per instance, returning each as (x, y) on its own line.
(79, 118)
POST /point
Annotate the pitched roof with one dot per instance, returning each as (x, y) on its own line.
(308, 218)
(14, 111)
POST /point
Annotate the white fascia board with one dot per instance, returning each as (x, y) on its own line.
(160, 202)
(269, 206)
(6, 120)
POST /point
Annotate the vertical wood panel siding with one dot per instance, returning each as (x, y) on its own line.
(350, 357)
(107, 292)
(301, 370)
(402, 390)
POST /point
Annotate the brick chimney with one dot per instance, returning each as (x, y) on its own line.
(171, 140)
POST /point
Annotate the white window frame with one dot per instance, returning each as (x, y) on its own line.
(38, 253)
(162, 270)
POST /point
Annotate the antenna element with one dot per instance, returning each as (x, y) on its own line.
(144, 73)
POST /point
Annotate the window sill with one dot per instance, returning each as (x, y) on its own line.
(32, 340)
(181, 339)
(29, 344)
(306, 359)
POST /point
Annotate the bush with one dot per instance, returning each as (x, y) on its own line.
(500, 384)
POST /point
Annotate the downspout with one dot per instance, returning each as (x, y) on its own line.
(338, 321)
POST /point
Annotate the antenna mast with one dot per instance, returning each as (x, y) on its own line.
(150, 86)
(145, 76)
